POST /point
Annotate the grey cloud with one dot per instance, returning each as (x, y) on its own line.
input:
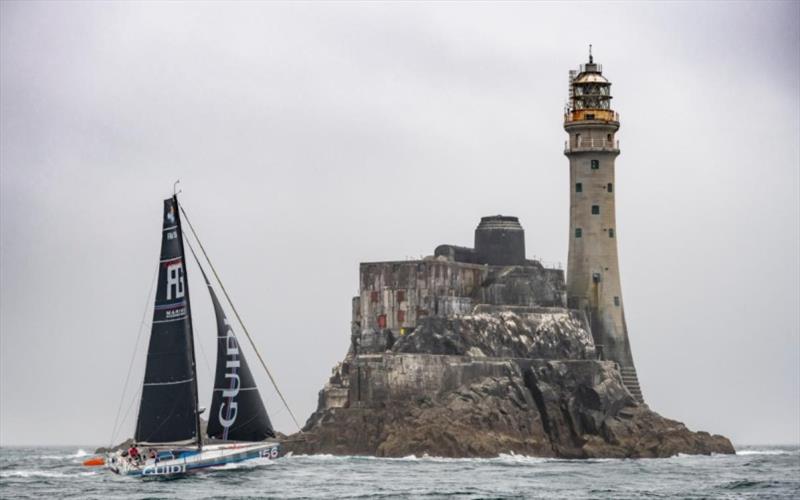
(310, 137)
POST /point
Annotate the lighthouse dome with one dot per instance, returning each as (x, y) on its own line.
(590, 78)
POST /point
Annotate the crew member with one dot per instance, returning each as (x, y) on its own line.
(134, 453)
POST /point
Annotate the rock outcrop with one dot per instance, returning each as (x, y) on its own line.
(491, 383)
(536, 333)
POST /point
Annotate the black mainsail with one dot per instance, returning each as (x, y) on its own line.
(168, 408)
(237, 411)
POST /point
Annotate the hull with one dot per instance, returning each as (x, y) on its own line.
(173, 463)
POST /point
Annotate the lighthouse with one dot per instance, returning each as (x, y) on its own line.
(593, 283)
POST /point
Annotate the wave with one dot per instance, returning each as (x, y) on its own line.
(767, 452)
(696, 455)
(78, 454)
(42, 473)
(512, 458)
(748, 484)
(246, 464)
(503, 458)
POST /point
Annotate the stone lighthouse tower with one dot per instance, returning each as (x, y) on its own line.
(593, 283)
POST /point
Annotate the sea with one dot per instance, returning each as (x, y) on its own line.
(754, 472)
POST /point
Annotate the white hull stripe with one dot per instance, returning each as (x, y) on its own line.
(171, 320)
(170, 383)
(240, 389)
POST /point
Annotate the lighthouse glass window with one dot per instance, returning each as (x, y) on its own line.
(595, 164)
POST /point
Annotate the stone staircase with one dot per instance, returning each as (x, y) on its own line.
(631, 382)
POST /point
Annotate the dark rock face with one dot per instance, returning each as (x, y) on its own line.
(480, 420)
(492, 382)
(571, 409)
(491, 412)
(589, 413)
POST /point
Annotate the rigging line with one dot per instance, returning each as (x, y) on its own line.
(133, 357)
(239, 318)
(202, 351)
(128, 411)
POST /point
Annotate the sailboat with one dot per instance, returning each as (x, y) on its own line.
(168, 440)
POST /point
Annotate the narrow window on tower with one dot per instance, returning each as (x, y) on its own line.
(610, 187)
(616, 301)
(595, 209)
(611, 232)
(595, 164)
(578, 187)
(578, 232)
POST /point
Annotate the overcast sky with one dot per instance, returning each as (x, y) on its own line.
(311, 137)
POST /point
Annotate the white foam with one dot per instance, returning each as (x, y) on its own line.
(765, 452)
(327, 456)
(513, 458)
(78, 454)
(42, 473)
(503, 458)
(246, 464)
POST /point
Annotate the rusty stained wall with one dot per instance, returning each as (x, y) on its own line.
(394, 295)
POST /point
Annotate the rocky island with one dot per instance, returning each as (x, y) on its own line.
(474, 353)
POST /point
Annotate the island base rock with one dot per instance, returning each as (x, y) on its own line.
(395, 405)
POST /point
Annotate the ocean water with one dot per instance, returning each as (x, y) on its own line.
(755, 472)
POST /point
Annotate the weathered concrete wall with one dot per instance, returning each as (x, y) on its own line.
(528, 285)
(377, 380)
(394, 295)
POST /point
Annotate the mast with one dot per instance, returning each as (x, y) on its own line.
(191, 330)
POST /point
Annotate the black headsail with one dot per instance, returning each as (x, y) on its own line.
(237, 411)
(168, 410)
